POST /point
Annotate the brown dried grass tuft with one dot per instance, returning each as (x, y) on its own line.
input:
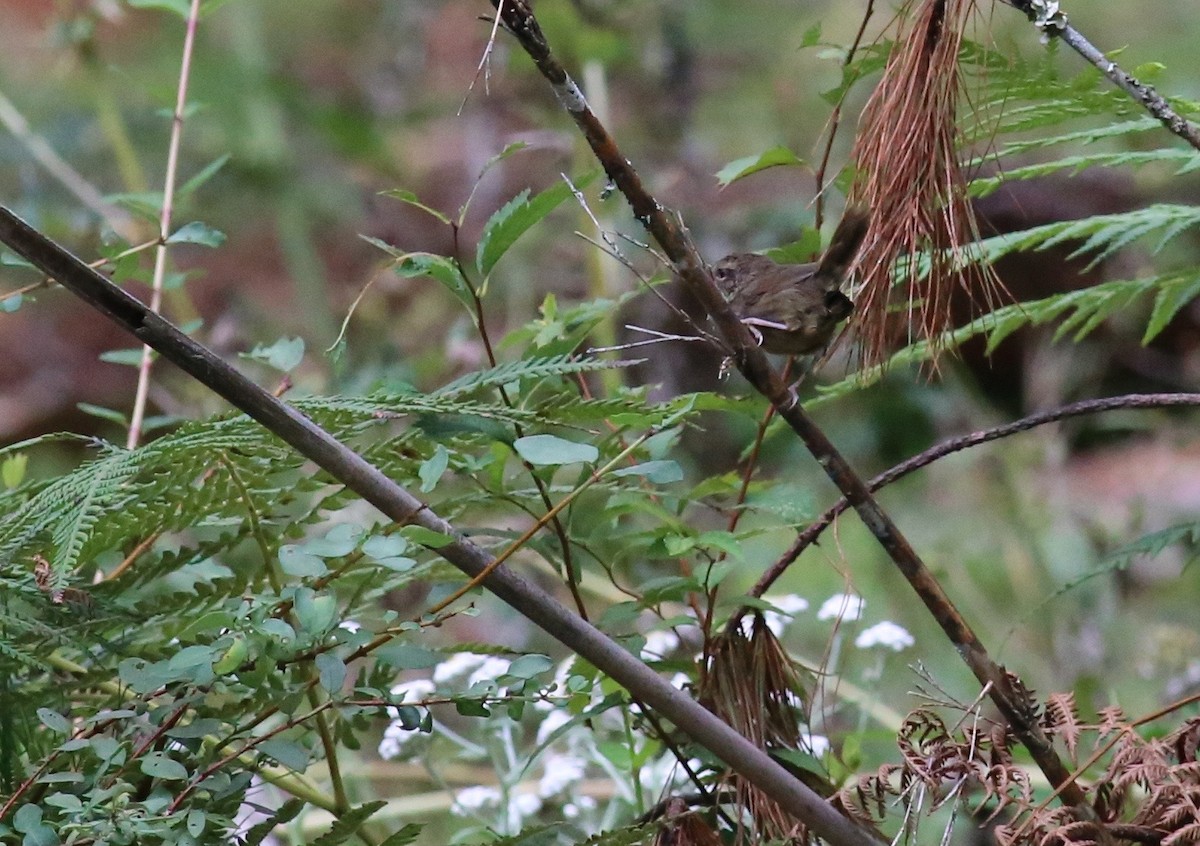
(910, 178)
(752, 684)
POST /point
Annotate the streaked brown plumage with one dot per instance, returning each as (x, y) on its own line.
(794, 308)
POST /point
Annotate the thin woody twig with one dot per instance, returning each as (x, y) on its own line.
(1052, 21)
(1006, 691)
(138, 415)
(810, 534)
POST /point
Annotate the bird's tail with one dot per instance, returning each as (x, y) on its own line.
(844, 244)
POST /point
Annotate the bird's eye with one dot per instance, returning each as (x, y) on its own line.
(721, 272)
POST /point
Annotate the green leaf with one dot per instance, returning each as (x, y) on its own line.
(12, 470)
(284, 355)
(411, 199)
(405, 656)
(332, 671)
(110, 414)
(195, 822)
(515, 218)
(204, 175)
(660, 472)
(158, 765)
(431, 470)
(529, 666)
(743, 167)
(385, 546)
(427, 537)
(296, 562)
(179, 7)
(67, 801)
(348, 823)
(403, 836)
(544, 450)
(314, 613)
(197, 233)
(54, 721)
(341, 540)
(286, 813)
(131, 357)
(442, 269)
(1171, 297)
(287, 753)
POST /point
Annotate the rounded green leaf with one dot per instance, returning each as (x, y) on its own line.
(158, 765)
(552, 450)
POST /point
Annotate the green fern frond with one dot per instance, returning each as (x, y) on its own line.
(526, 368)
(1083, 310)
(1184, 161)
(1102, 235)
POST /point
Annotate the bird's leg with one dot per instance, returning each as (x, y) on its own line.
(751, 322)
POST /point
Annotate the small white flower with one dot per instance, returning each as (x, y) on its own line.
(791, 604)
(472, 799)
(886, 634)
(456, 666)
(844, 606)
(786, 607)
(816, 744)
(526, 805)
(350, 626)
(571, 810)
(559, 773)
(489, 670)
(659, 644)
(395, 738)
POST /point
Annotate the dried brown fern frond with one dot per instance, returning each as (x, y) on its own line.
(752, 684)
(1061, 719)
(909, 176)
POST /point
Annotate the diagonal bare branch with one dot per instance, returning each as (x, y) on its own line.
(1005, 689)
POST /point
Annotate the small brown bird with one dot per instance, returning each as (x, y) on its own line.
(793, 308)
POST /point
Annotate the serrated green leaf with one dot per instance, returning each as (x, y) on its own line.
(197, 233)
(206, 173)
(348, 823)
(515, 218)
(740, 168)
(442, 269)
(286, 813)
(1172, 296)
(403, 836)
(411, 199)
